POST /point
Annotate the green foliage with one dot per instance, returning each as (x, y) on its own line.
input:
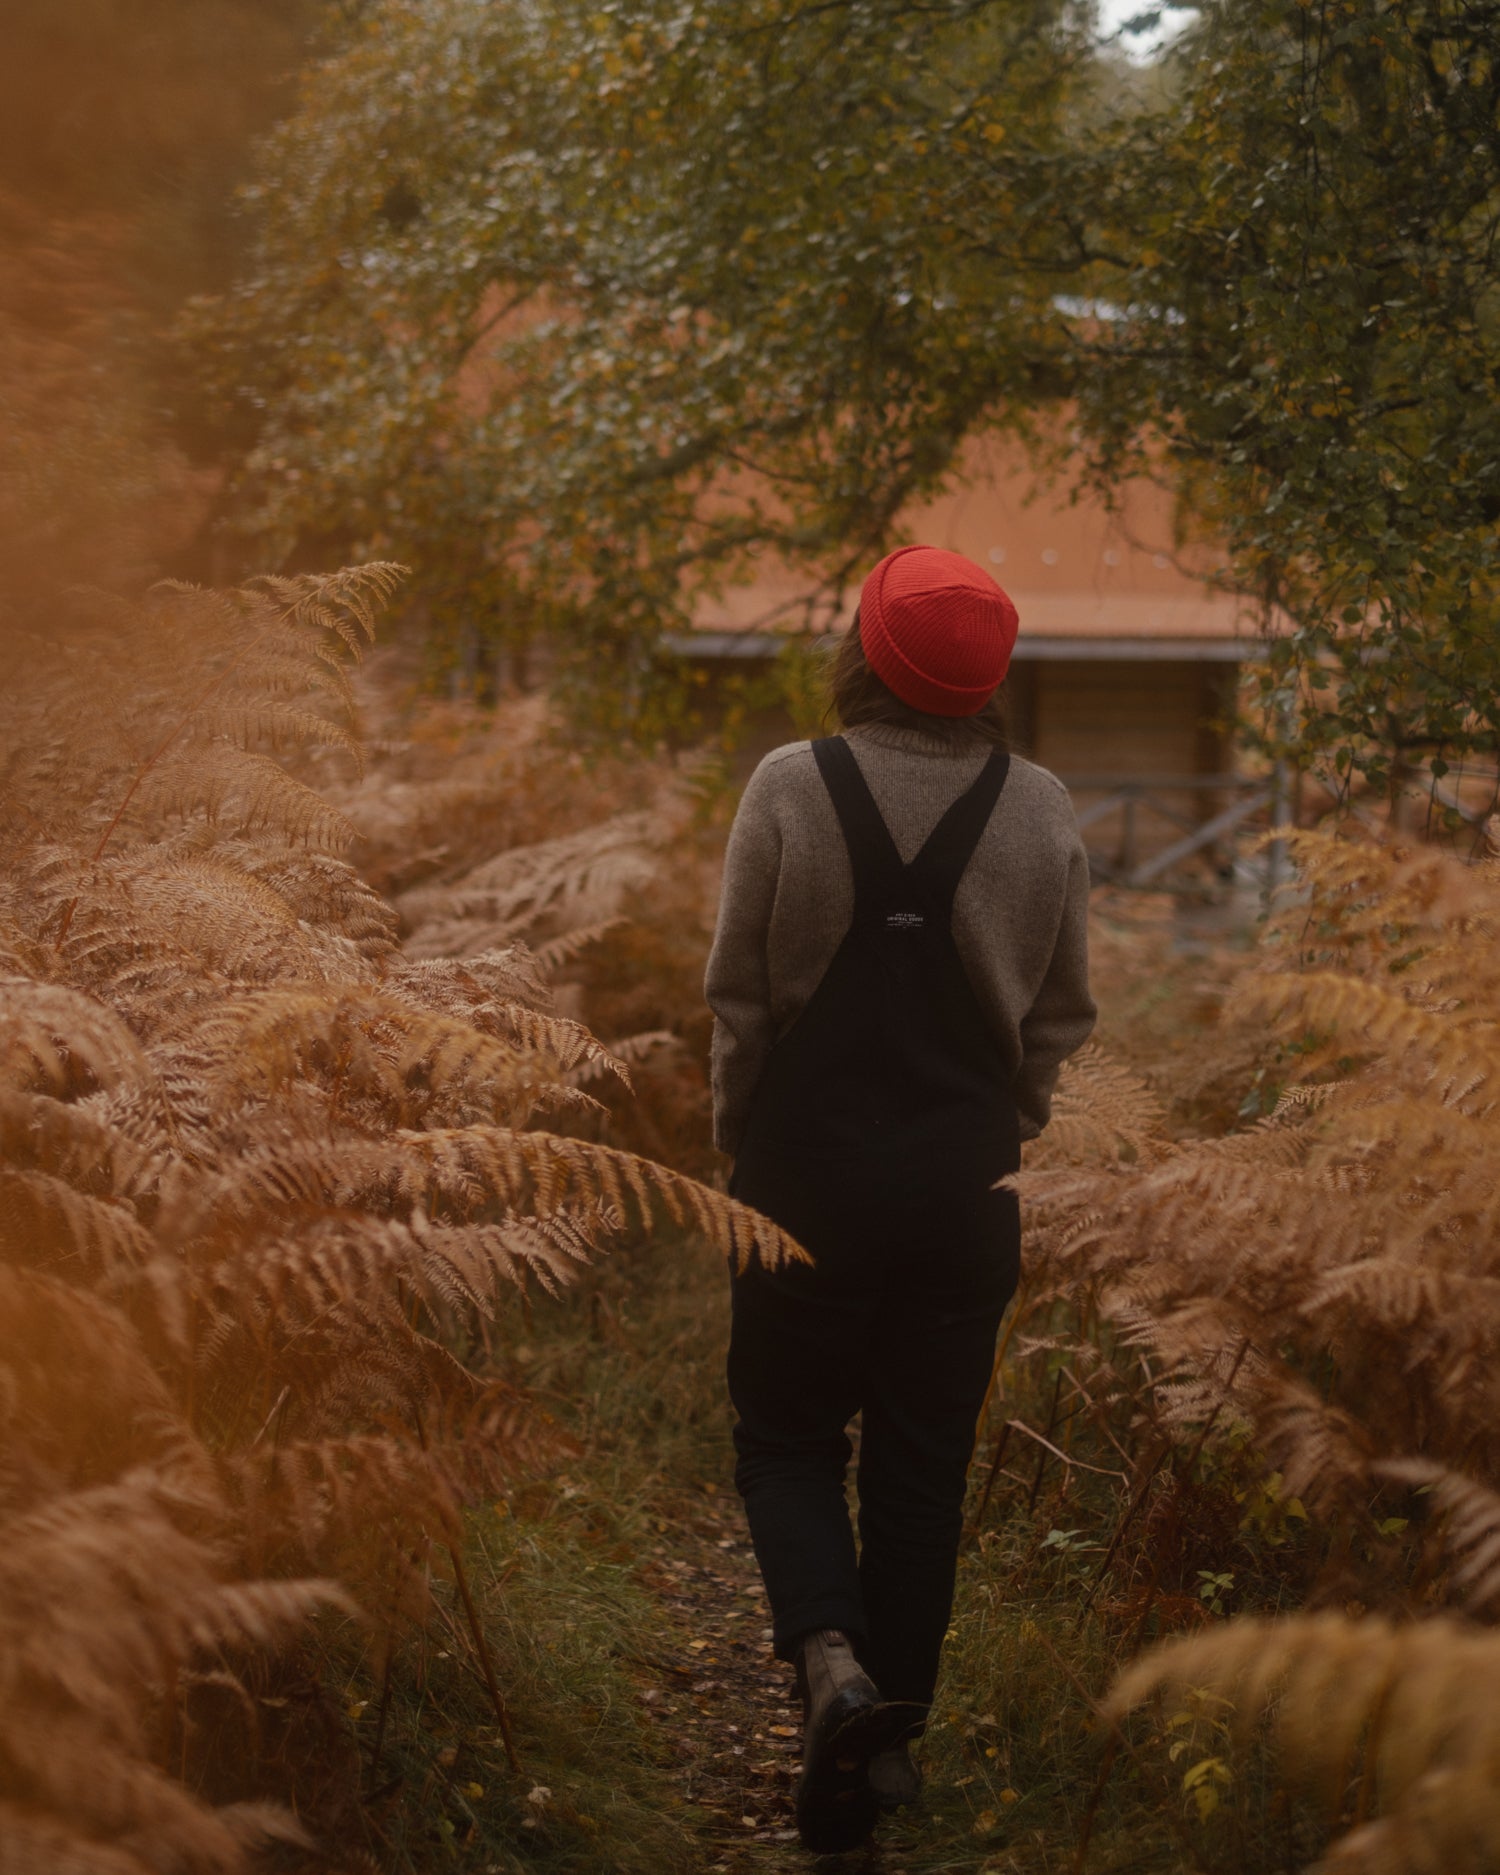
(1309, 333)
(583, 307)
(589, 305)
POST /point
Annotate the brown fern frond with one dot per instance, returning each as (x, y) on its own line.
(468, 1263)
(243, 792)
(468, 989)
(1393, 1295)
(1322, 1452)
(103, 1591)
(580, 879)
(253, 1616)
(567, 945)
(407, 1064)
(1365, 1017)
(295, 1159)
(461, 985)
(627, 1051)
(325, 894)
(1103, 1113)
(551, 1173)
(455, 1174)
(1470, 1530)
(46, 1220)
(1408, 1708)
(345, 603)
(105, 1144)
(33, 1842)
(60, 1040)
(23, 956)
(78, 1391)
(369, 1506)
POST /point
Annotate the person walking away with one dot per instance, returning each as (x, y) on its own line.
(898, 970)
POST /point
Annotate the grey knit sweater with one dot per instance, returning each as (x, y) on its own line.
(1020, 919)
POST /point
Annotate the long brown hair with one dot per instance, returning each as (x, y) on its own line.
(857, 696)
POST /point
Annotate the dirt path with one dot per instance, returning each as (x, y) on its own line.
(727, 1707)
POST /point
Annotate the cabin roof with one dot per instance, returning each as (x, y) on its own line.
(1088, 581)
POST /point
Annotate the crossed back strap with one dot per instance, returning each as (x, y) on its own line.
(878, 868)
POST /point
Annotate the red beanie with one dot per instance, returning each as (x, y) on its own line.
(936, 630)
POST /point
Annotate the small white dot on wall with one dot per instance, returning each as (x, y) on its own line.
(1049, 556)
(1159, 560)
(1111, 558)
(997, 555)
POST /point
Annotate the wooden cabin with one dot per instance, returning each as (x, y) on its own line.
(1125, 672)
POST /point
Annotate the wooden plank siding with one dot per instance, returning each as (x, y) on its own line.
(1097, 717)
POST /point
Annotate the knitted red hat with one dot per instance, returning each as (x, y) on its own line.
(936, 630)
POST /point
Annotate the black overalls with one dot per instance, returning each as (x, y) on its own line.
(879, 1126)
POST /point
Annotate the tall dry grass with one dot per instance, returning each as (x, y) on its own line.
(265, 1178)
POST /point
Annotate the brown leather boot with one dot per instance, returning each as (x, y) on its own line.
(894, 1779)
(845, 1725)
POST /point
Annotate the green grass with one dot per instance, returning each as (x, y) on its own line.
(591, 1792)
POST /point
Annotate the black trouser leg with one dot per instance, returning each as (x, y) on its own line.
(932, 1349)
(793, 1376)
(897, 1318)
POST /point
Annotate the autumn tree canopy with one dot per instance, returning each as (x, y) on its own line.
(1305, 243)
(580, 306)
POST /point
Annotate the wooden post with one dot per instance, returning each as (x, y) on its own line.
(1127, 836)
(1277, 862)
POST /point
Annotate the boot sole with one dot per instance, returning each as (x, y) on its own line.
(836, 1809)
(905, 1791)
(887, 1802)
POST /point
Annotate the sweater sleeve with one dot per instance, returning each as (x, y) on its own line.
(1061, 1017)
(737, 984)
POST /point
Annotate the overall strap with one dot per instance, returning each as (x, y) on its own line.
(872, 851)
(950, 846)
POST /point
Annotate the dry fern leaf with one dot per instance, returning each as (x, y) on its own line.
(1366, 1017)
(412, 1065)
(362, 1492)
(628, 1051)
(467, 1263)
(1322, 1451)
(1394, 1295)
(567, 945)
(49, 1033)
(194, 913)
(1411, 1709)
(46, 1220)
(552, 1173)
(345, 603)
(107, 1144)
(1471, 1525)
(473, 990)
(458, 985)
(1102, 1113)
(242, 791)
(103, 1592)
(33, 1842)
(324, 892)
(349, 1274)
(76, 1385)
(581, 878)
